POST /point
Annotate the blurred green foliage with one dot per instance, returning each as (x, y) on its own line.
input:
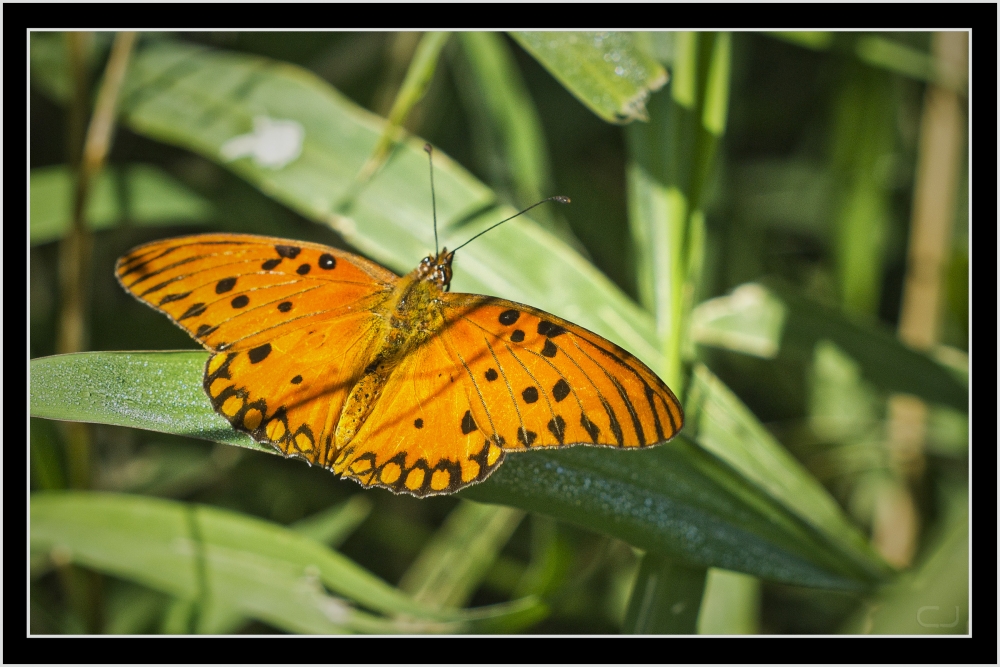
(740, 224)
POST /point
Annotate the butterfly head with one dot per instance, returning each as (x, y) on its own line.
(437, 269)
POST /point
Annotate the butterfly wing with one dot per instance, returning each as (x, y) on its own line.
(289, 324)
(501, 376)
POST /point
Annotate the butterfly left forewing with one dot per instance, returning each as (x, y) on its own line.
(289, 324)
(236, 291)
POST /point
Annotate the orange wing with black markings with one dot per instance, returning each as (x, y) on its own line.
(498, 377)
(288, 323)
(393, 382)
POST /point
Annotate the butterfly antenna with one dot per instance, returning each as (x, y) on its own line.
(559, 198)
(430, 159)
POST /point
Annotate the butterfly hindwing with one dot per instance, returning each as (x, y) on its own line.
(422, 437)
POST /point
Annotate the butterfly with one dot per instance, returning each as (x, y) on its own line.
(393, 382)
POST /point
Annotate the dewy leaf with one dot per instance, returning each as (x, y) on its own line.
(157, 391)
(604, 70)
(205, 554)
(674, 498)
(144, 195)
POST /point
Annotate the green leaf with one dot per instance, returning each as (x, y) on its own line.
(507, 132)
(335, 524)
(675, 498)
(884, 360)
(679, 501)
(606, 71)
(157, 391)
(730, 605)
(749, 320)
(863, 133)
(202, 554)
(724, 426)
(143, 195)
(414, 87)
(508, 139)
(451, 566)
(670, 158)
(666, 597)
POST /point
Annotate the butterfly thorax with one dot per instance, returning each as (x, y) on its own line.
(409, 317)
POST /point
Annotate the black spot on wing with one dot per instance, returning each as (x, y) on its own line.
(491, 375)
(225, 285)
(526, 437)
(288, 251)
(240, 301)
(557, 426)
(530, 395)
(327, 261)
(204, 330)
(297, 379)
(468, 423)
(517, 336)
(285, 306)
(303, 269)
(550, 330)
(259, 354)
(549, 349)
(270, 264)
(508, 317)
(560, 390)
(418, 422)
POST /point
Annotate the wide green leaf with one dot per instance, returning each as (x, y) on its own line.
(884, 359)
(157, 391)
(206, 555)
(770, 320)
(724, 426)
(675, 498)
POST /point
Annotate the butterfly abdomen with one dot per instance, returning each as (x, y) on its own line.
(410, 316)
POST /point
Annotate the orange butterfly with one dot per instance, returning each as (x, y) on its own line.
(393, 382)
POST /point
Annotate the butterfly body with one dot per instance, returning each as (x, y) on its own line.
(409, 317)
(393, 382)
